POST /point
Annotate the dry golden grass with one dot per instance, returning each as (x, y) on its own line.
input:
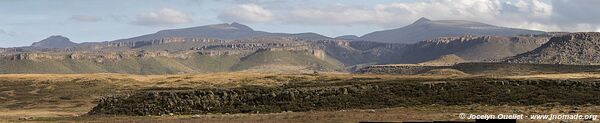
(50, 95)
(58, 95)
(559, 76)
(413, 65)
(415, 113)
(248, 77)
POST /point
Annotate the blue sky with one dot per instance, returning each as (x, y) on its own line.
(26, 21)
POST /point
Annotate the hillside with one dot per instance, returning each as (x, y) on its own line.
(175, 55)
(449, 59)
(236, 47)
(165, 64)
(574, 48)
(425, 29)
(274, 60)
(362, 52)
(471, 48)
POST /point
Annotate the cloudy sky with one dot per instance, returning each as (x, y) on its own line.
(25, 21)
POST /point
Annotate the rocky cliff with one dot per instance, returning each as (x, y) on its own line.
(307, 96)
(574, 48)
(471, 48)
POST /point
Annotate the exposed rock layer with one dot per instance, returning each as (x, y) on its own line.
(338, 96)
(574, 48)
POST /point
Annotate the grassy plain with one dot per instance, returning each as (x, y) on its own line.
(67, 97)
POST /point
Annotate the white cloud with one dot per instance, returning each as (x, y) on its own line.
(537, 26)
(165, 16)
(8, 33)
(529, 14)
(86, 18)
(339, 15)
(402, 13)
(3, 32)
(249, 13)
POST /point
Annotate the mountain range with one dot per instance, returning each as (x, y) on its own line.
(425, 29)
(422, 29)
(237, 47)
(231, 31)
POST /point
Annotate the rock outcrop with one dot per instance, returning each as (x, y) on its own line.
(351, 95)
(574, 48)
(471, 48)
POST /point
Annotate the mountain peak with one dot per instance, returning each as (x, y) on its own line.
(425, 29)
(422, 20)
(55, 41)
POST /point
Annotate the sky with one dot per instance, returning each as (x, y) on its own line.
(23, 22)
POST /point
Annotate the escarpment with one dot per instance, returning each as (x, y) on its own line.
(339, 96)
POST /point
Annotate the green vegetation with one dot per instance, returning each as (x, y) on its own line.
(449, 59)
(289, 58)
(204, 63)
(168, 65)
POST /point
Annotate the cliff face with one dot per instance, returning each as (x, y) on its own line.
(194, 54)
(574, 48)
(172, 55)
(350, 95)
(471, 48)
(360, 52)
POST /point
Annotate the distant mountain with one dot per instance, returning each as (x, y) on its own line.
(574, 48)
(425, 29)
(56, 41)
(225, 31)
